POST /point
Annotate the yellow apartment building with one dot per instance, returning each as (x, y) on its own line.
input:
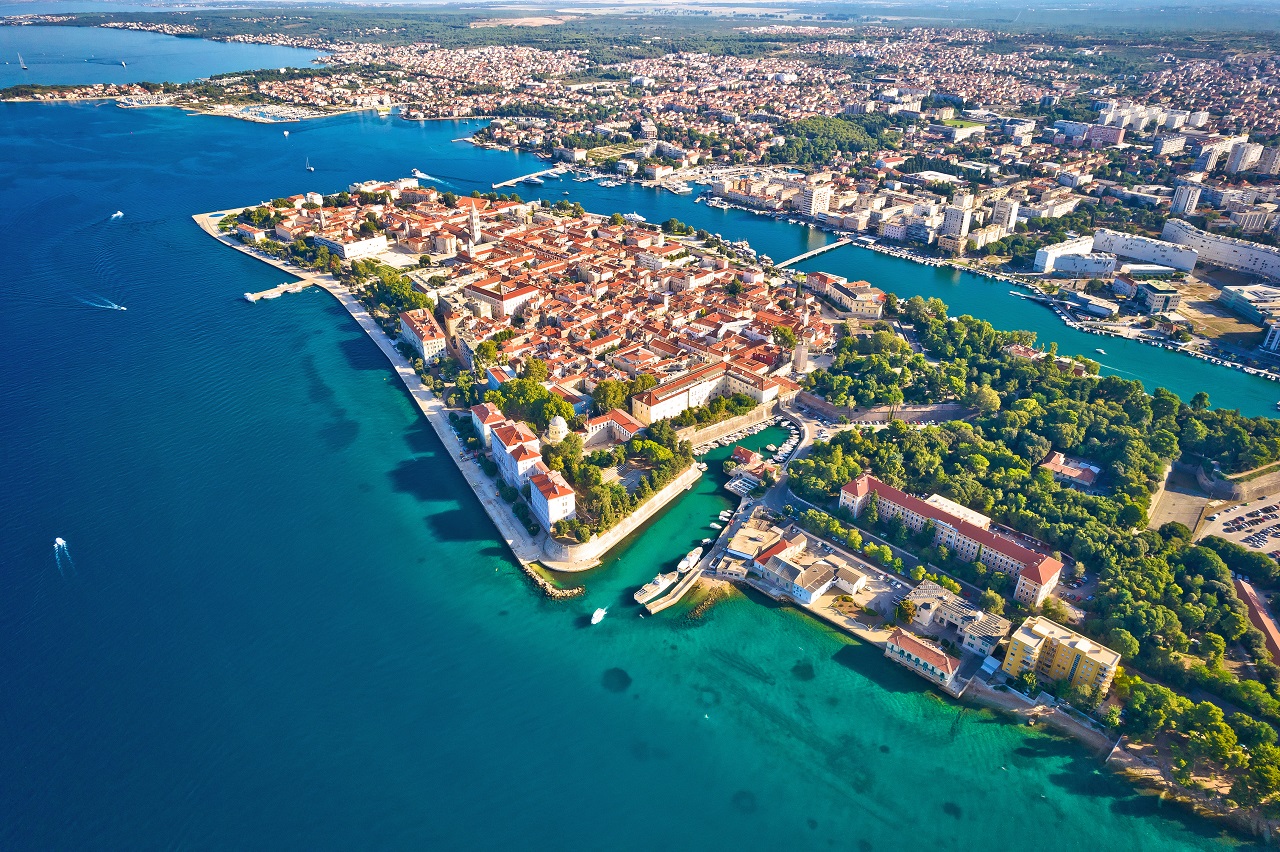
(1057, 653)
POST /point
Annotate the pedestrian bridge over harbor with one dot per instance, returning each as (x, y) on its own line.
(819, 250)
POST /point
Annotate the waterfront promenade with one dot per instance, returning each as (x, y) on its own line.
(524, 547)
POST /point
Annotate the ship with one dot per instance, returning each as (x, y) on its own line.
(598, 615)
(533, 181)
(634, 218)
(22, 64)
(655, 587)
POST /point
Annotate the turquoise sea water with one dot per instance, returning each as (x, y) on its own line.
(285, 622)
(81, 55)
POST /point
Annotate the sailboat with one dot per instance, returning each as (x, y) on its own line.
(122, 65)
(21, 62)
(310, 167)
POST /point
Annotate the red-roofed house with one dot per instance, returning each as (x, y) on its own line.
(484, 417)
(924, 658)
(616, 423)
(516, 450)
(552, 498)
(1036, 582)
(418, 327)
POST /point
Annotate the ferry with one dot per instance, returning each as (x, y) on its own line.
(598, 615)
(654, 587)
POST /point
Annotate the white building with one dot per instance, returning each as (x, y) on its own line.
(1092, 265)
(517, 451)
(955, 221)
(1243, 156)
(1185, 199)
(1146, 249)
(551, 498)
(1225, 251)
(484, 417)
(1047, 257)
(419, 329)
(816, 199)
(353, 248)
(697, 387)
(1005, 214)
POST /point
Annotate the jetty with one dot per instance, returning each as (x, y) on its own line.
(828, 247)
(677, 592)
(554, 171)
(278, 291)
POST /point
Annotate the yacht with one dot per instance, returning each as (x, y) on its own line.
(681, 189)
(1101, 351)
(598, 615)
(533, 181)
(655, 587)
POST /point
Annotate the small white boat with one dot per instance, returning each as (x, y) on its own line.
(598, 615)
(122, 65)
(633, 218)
(310, 167)
(286, 134)
(708, 541)
(119, 214)
(420, 174)
(1101, 351)
(716, 526)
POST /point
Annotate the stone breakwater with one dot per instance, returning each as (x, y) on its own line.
(548, 588)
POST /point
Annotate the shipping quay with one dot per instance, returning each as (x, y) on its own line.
(528, 550)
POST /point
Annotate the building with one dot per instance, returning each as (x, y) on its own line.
(955, 221)
(353, 248)
(1056, 653)
(1145, 249)
(938, 610)
(968, 541)
(1094, 305)
(1255, 302)
(418, 328)
(815, 199)
(1158, 298)
(1185, 199)
(1047, 257)
(551, 498)
(615, 425)
(517, 451)
(1228, 252)
(922, 657)
(1005, 214)
(1037, 582)
(484, 417)
(697, 387)
(1072, 472)
(1091, 265)
(1243, 157)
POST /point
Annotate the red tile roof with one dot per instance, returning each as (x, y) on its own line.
(924, 651)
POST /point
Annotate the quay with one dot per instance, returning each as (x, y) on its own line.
(828, 247)
(278, 291)
(554, 171)
(687, 582)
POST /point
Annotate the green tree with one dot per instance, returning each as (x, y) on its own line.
(991, 602)
(784, 336)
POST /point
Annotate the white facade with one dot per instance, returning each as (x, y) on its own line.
(1185, 199)
(353, 249)
(1047, 257)
(551, 498)
(1225, 251)
(1146, 249)
(1093, 264)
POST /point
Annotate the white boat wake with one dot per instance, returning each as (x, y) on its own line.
(101, 302)
(119, 214)
(62, 556)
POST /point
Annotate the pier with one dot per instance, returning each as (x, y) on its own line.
(554, 171)
(828, 247)
(677, 592)
(278, 291)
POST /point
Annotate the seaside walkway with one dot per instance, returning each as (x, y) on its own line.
(672, 597)
(819, 250)
(553, 171)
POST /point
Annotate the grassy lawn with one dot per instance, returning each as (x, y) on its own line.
(963, 122)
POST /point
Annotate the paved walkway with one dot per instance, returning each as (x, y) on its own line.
(526, 548)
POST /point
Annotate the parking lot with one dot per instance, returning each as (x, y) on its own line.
(1255, 525)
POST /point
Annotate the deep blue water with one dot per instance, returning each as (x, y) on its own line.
(286, 623)
(81, 55)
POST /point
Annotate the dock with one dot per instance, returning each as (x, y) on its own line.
(828, 247)
(554, 171)
(278, 291)
(677, 592)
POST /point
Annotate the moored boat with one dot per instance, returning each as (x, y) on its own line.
(655, 587)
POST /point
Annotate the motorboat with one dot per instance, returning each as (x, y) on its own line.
(310, 167)
(598, 615)
(715, 526)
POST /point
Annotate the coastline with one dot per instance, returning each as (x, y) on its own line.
(528, 550)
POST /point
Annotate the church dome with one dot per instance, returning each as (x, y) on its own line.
(557, 429)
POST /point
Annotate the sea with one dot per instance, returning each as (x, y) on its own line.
(279, 619)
